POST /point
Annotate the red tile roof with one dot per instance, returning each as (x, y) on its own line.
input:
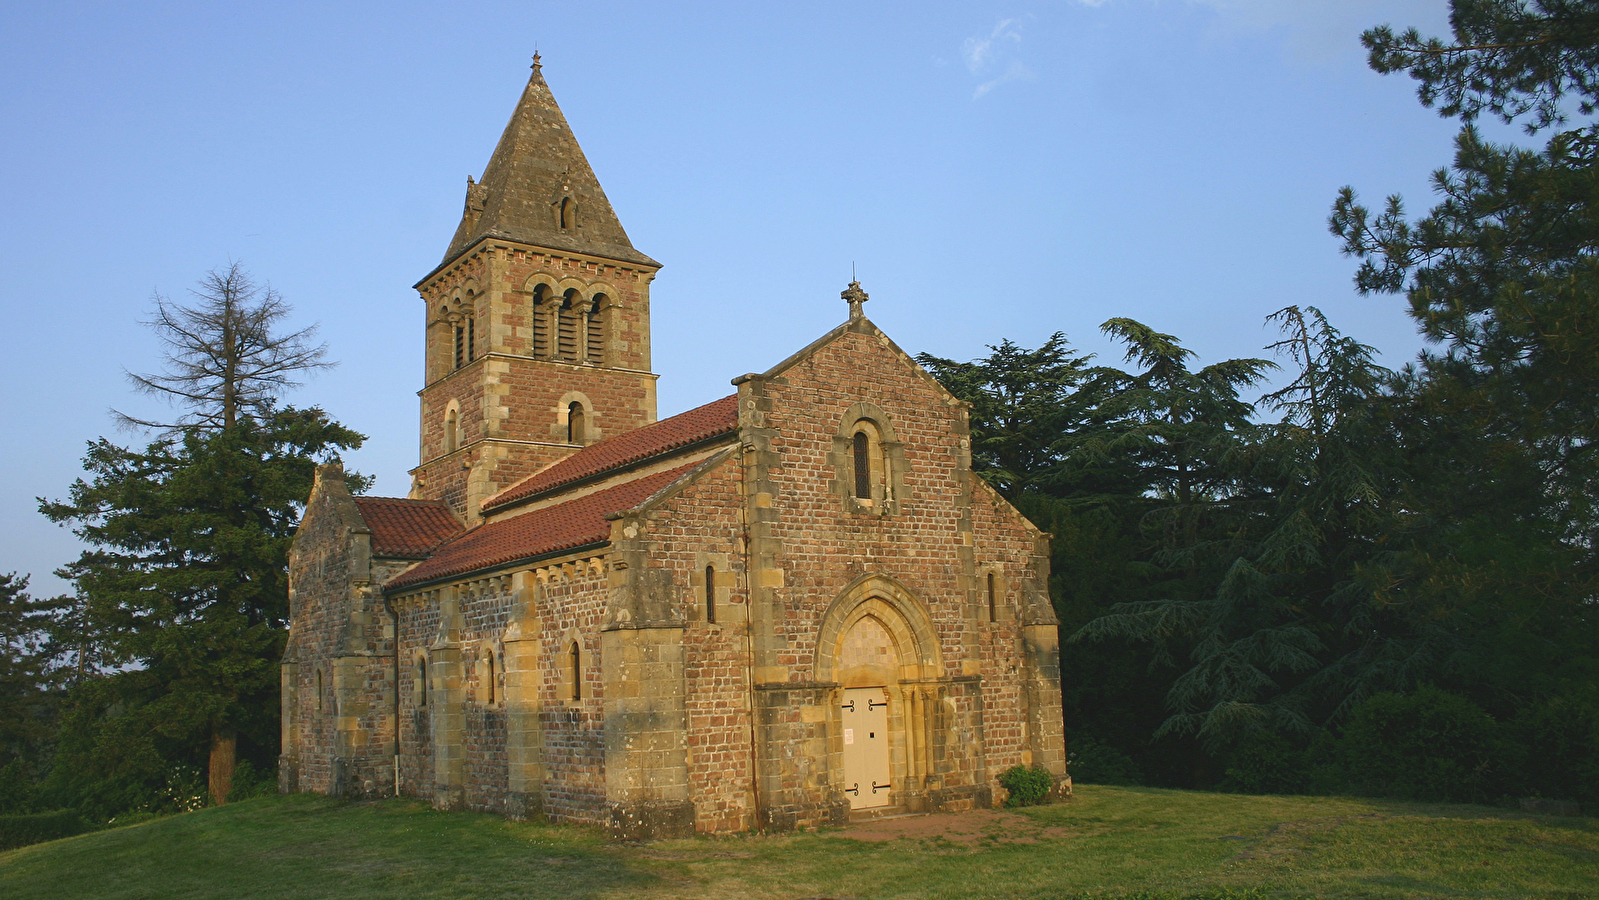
(407, 528)
(710, 420)
(563, 526)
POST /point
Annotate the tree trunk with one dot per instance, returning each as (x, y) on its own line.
(224, 741)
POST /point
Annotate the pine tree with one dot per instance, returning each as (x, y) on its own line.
(1501, 413)
(185, 587)
(30, 682)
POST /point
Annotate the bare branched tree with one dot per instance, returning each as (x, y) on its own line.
(223, 358)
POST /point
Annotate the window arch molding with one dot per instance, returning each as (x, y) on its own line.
(451, 437)
(546, 294)
(573, 661)
(869, 462)
(561, 429)
(490, 666)
(904, 616)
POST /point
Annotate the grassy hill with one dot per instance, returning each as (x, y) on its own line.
(1109, 842)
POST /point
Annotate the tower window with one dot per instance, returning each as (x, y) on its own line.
(595, 351)
(993, 599)
(488, 677)
(575, 664)
(460, 346)
(452, 431)
(576, 426)
(471, 338)
(863, 466)
(541, 322)
(566, 334)
(566, 213)
(710, 594)
(420, 693)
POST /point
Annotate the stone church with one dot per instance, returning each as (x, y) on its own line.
(785, 607)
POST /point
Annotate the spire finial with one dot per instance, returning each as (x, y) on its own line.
(855, 296)
(537, 66)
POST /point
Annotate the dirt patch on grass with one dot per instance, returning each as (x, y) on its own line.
(965, 829)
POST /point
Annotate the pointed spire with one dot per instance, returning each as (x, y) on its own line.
(538, 188)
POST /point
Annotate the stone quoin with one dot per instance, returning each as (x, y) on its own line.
(789, 605)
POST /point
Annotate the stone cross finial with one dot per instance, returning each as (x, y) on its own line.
(856, 297)
(536, 64)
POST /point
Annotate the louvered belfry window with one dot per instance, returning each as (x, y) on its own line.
(541, 322)
(594, 353)
(863, 466)
(566, 331)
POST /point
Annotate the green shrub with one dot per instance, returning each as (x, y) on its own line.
(1557, 744)
(1267, 763)
(20, 831)
(249, 783)
(1090, 762)
(1425, 745)
(1026, 787)
(18, 793)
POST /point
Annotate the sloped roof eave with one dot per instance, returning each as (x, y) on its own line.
(651, 444)
(615, 254)
(492, 568)
(858, 326)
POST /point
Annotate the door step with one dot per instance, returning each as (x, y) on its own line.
(880, 812)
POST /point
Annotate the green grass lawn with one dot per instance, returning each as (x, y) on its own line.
(1108, 842)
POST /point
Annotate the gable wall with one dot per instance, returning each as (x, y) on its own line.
(338, 728)
(929, 545)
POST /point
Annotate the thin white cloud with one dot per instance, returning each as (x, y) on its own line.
(1014, 72)
(980, 51)
(993, 52)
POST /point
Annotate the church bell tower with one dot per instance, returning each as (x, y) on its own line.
(537, 320)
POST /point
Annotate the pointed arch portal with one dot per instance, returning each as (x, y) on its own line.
(877, 644)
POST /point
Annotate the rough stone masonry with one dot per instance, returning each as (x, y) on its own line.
(786, 607)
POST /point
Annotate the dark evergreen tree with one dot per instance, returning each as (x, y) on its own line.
(1501, 412)
(30, 689)
(184, 594)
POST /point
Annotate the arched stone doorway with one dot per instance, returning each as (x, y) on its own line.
(877, 646)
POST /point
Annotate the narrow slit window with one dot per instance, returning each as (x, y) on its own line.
(471, 339)
(576, 664)
(576, 424)
(421, 682)
(460, 346)
(710, 594)
(488, 672)
(863, 466)
(566, 212)
(993, 600)
(452, 431)
(319, 690)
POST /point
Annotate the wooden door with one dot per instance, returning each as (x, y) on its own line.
(866, 769)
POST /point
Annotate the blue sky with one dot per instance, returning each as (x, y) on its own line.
(992, 169)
